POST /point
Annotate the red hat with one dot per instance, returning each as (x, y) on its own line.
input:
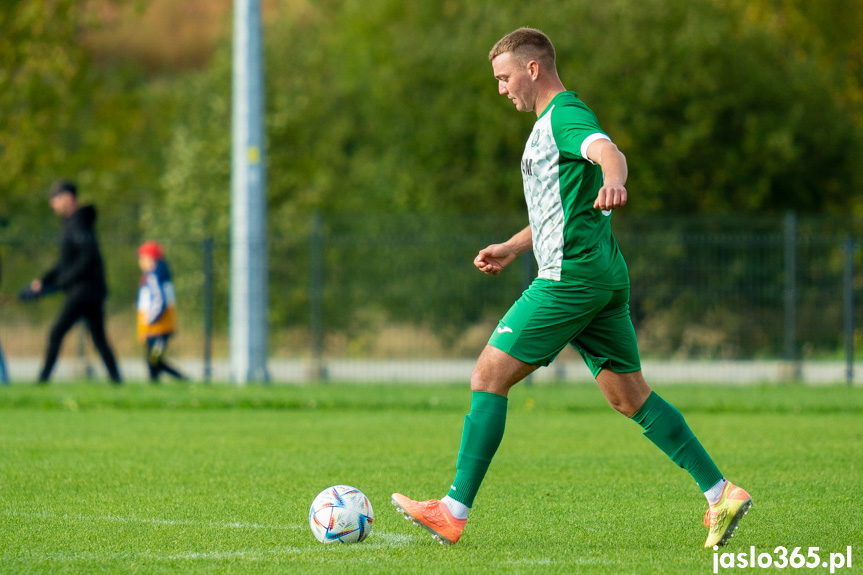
(151, 249)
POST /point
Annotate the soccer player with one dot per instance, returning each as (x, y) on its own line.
(574, 176)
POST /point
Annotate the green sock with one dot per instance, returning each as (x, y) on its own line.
(665, 427)
(480, 438)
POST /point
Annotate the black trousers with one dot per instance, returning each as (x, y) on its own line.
(155, 358)
(92, 312)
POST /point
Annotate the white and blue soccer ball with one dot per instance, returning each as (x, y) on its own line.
(341, 513)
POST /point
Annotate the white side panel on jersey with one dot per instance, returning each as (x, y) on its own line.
(541, 176)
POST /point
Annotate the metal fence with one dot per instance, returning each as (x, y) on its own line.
(370, 297)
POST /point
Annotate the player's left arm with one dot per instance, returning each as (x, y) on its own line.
(612, 194)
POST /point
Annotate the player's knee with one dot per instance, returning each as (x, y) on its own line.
(484, 379)
(624, 403)
(479, 380)
(621, 405)
(497, 371)
(480, 377)
(626, 392)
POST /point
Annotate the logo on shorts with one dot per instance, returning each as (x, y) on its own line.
(504, 329)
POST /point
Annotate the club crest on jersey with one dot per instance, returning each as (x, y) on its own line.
(535, 140)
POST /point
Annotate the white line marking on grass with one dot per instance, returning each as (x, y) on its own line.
(376, 541)
(381, 540)
(91, 557)
(542, 561)
(390, 539)
(254, 555)
(148, 520)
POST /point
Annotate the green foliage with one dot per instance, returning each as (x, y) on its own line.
(387, 106)
(714, 113)
(391, 107)
(40, 79)
(64, 117)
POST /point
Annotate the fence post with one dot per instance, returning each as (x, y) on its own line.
(316, 298)
(208, 309)
(849, 309)
(790, 296)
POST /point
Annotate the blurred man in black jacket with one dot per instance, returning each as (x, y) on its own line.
(80, 273)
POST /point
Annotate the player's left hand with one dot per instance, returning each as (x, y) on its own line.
(610, 197)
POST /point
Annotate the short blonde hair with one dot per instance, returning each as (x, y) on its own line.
(526, 44)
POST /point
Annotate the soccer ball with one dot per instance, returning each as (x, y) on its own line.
(341, 513)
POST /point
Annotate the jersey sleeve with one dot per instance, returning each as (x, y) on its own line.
(575, 127)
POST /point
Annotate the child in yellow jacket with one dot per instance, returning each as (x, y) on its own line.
(157, 313)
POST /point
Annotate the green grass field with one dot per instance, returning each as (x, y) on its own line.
(218, 479)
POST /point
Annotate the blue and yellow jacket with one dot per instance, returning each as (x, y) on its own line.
(157, 303)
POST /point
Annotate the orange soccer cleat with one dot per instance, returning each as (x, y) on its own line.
(433, 516)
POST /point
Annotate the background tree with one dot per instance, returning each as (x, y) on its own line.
(64, 117)
(391, 107)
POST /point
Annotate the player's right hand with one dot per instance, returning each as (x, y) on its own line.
(610, 197)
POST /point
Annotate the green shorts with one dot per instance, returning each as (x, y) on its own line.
(551, 314)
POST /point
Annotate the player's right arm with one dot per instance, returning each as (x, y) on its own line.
(613, 193)
(495, 257)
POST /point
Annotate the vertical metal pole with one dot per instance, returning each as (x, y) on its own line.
(208, 309)
(248, 317)
(849, 310)
(316, 298)
(790, 296)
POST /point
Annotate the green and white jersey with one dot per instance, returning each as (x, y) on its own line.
(572, 241)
